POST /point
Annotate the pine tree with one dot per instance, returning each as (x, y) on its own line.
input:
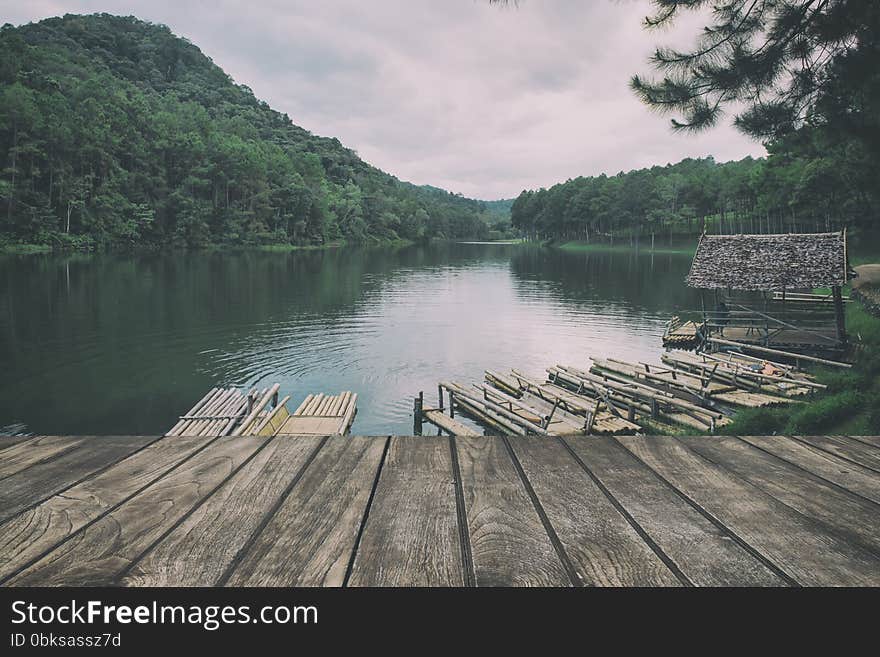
(786, 63)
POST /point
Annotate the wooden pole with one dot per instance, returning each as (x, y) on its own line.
(778, 352)
(418, 405)
(838, 314)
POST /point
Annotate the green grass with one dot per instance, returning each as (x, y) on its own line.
(626, 248)
(287, 248)
(25, 249)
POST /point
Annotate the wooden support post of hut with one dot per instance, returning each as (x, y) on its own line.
(767, 279)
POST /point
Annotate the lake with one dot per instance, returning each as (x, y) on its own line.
(123, 344)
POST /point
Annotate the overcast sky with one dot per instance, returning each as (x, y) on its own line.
(480, 100)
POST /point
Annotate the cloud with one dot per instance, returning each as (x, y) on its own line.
(480, 100)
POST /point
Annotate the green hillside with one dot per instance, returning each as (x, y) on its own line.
(115, 132)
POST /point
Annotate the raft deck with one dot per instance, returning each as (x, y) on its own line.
(231, 412)
(419, 511)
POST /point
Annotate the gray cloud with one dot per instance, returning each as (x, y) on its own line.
(476, 99)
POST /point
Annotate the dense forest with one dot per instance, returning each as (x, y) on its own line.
(804, 185)
(115, 132)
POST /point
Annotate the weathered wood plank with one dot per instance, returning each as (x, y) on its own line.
(32, 533)
(41, 481)
(801, 547)
(855, 478)
(411, 537)
(701, 551)
(846, 448)
(450, 425)
(602, 545)
(10, 441)
(812, 496)
(102, 551)
(309, 540)
(509, 544)
(29, 452)
(873, 441)
(200, 549)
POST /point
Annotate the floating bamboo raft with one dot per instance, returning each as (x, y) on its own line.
(759, 379)
(693, 391)
(681, 335)
(231, 412)
(702, 386)
(321, 415)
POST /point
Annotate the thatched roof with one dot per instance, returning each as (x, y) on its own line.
(769, 262)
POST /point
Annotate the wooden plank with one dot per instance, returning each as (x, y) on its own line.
(200, 549)
(699, 549)
(32, 533)
(801, 547)
(42, 448)
(846, 448)
(873, 441)
(411, 536)
(602, 545)
(310, 539)
(41, 481)
(9, 441)
(448, 424)
(101, 552)
(509, 544)
(855, 478)
(812, 496)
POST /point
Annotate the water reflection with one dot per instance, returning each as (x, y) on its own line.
(123, 344)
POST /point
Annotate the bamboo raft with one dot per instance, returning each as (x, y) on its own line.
(760, 379)
(681, 335)
(321, 415)
(702, 385)
(231, 412)
(613, 397)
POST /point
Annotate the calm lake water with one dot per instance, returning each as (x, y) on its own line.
(117, 344)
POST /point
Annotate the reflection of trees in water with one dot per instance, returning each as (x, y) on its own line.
(53, 300)
(652, 282)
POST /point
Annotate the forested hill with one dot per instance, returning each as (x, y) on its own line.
(810, 181)
(113, 131)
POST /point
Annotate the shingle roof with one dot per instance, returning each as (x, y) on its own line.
(769, 262)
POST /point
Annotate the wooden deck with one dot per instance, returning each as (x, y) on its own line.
(416, 511)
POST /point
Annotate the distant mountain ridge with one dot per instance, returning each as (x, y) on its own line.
(115, 131)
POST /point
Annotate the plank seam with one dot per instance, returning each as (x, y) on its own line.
(264, 522)
(840, 456)
(94, 473)
(45, 459)
(808, 472)
(357, 542)
(464, 534)
(863, 442)
(849, 538)
(9, 441)
(788, 579)
(127, 569)
(106, 512)
(570, 570)
(656, 549)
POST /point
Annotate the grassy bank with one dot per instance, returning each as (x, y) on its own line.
(626, 248)
(35, 249)
(25, 249)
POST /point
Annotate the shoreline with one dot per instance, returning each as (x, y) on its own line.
(601, 247)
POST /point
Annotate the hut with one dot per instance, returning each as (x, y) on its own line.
(764, 289)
